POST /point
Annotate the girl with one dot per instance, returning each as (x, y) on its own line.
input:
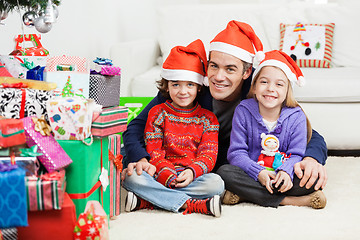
(272, 109)
(181, 138)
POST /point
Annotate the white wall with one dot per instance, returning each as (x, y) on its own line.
(88, 28)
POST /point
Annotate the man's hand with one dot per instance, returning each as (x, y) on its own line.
(185, 178)
(141, 165)
(309, 170)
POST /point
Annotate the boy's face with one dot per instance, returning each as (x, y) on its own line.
(225, 73)
(183, 93)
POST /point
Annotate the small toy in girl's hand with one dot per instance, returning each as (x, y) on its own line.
(271, 158)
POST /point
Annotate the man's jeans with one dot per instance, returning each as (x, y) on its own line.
(147, 188)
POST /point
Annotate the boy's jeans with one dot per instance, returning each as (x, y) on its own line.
(147, 188)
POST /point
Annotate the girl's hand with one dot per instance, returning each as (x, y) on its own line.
(283, 177)
(184, 178)
(265, 178)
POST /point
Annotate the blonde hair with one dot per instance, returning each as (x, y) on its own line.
(290, 101)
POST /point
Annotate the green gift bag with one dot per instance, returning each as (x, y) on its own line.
(83, 175)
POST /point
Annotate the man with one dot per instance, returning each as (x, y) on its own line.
(229, 76)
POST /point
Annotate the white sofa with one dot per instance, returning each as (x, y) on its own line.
(331, 97)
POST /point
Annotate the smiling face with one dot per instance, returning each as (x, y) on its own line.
(183, 93)
(270, 89)
(225, 74)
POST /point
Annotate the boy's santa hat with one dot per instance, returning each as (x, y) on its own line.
(239, 40)
(186, 63)
(283, 61)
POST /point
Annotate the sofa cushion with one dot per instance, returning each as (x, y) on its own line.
(310, 45)
(341, 84)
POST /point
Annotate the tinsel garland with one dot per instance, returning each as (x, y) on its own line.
(10, 5)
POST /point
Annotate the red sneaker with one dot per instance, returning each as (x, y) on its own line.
(210, 206)
(133, 203)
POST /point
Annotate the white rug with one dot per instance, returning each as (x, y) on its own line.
(339, 220)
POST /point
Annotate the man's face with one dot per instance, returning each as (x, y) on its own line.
(225, 73)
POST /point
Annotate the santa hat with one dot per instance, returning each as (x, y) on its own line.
(239, 40)
(186, 63)
(281, 60)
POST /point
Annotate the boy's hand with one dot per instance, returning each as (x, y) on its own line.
(265, 178)
(284, 179)
(184, 178)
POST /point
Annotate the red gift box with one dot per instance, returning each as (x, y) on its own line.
(11, 132)
(4, 72)
(51, 224)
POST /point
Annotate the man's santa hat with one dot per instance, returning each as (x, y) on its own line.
(239, 40)
(186, 63)
(283, 61)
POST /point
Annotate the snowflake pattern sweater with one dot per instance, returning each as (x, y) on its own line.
(179, 139)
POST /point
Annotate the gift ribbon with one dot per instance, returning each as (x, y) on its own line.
(41, 126)
(94, 188)
(14, 85)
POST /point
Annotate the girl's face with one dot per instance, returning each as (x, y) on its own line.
(183, 93)
(271, 89)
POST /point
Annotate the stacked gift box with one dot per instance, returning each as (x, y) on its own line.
(59, 146)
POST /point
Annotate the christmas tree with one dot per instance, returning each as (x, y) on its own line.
(10, 5)
(67, 90)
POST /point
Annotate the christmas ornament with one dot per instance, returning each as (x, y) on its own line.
(29, 18)
(41, 25)
(49, 13)
(3, 15)
(56, 11)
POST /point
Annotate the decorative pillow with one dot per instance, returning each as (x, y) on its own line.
(310, 45)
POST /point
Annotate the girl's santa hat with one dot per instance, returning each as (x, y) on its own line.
(283, 61)
(186, 63)
(239, 40)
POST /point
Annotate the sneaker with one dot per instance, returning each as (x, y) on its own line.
(209, 206)
(133, 203)
(230, 198)
(318, 199)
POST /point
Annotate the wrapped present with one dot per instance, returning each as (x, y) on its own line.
(51, 224)
(23, 102)
(36, 50)
(54, 157)
(13, 212)
(105, 90)
(46, 191)
(109, 121)
(59, 68)
(70, 117)
(29, 164)
(115, 169)
(92, 223)
(8, 234)
(135, 105)
(18, 66)
(33, 84)
(36, 73)
(11, 133)
(3, 71)
(87, 177)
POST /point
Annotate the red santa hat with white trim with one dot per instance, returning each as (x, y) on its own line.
(239, 40)
(283, 61)
(186, 63)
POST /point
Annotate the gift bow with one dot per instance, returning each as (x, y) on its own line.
(116, 159)
(103, 61)
(7, 167)
(41, 126)
(30, 152)
(14, 85)
(52, 176)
